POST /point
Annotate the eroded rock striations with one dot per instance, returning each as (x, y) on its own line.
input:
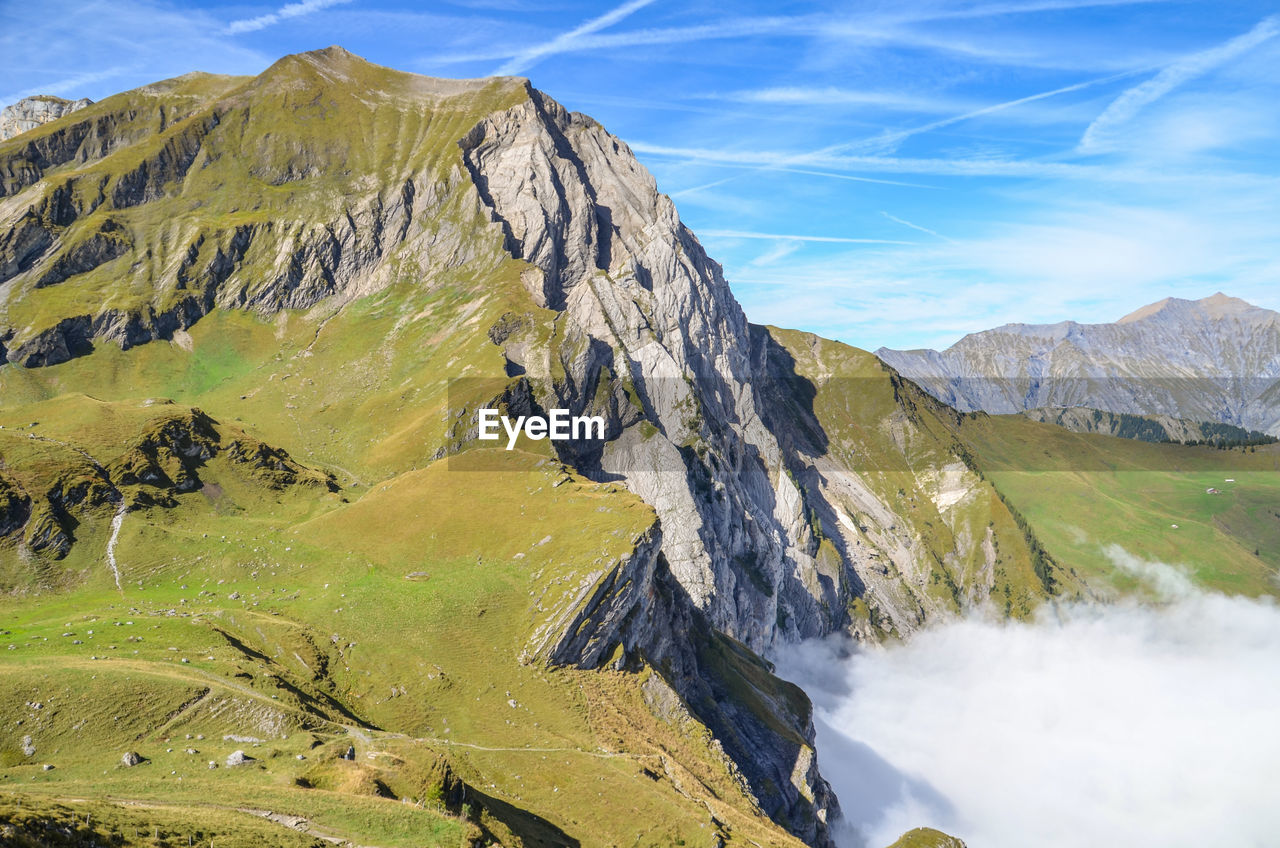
(642, 302)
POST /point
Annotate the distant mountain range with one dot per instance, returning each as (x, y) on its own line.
(1216, 359)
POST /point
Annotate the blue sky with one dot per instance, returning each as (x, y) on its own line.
(895, 173)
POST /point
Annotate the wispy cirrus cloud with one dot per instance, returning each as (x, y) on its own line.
(991, 167)
(742, 234)
(879, 29)
(91, 48)
(828, 96)
(566, 41)
(891, 140)
(67, 85)
(888, 141)
(594, 40)
(782, 169)
(910, 225)
(1132, 101)
(992, 10)
(284, 13)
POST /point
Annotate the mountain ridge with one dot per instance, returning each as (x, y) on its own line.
(1216, 359)
(226, 203)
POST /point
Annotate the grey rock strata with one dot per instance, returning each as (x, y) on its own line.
(642, 301)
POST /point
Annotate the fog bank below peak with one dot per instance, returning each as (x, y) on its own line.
(1130, 724)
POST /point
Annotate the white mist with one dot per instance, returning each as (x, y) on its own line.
(1128, 725)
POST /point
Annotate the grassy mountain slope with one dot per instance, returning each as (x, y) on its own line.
(272, 629)
(381, 615)
(247, 323)
(1086, 492)
(202, 184)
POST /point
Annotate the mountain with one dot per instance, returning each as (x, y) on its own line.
(31, 112)
(1216, 359)
(334, 265)
(249, 532)
(220, 196)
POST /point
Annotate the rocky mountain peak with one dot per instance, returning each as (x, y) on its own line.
(31, 112)
(332, 53)
(332, 60)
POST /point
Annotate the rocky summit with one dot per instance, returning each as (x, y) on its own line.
(249, 326)
(31, 112)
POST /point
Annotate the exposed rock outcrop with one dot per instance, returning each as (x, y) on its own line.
(160, 463)
(15, 506)
(643, 305)
(32, 112)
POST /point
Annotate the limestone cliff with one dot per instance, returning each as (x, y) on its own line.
(721, 436)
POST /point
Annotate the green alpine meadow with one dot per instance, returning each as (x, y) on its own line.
(263, 583)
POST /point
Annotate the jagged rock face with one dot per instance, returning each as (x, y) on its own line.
(639, 607)
(641, 299)
(1215, 359)
(31, 112)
